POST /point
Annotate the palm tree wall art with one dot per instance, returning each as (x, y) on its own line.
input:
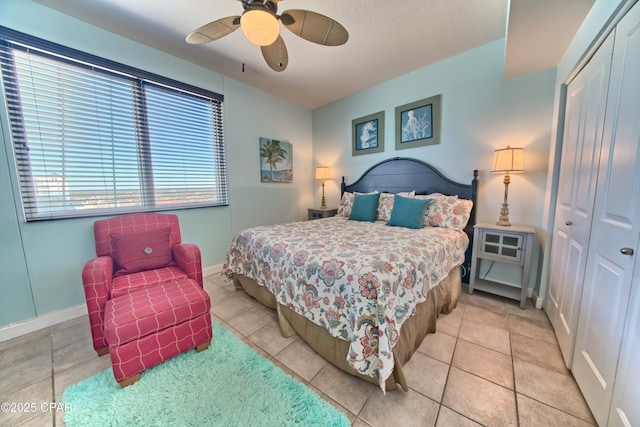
(276, 161)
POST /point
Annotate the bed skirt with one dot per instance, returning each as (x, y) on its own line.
(441, 299)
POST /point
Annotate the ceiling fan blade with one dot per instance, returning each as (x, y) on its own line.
(214, 30)
(315, 27)
(276, 55)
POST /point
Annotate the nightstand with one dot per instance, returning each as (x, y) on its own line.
(510, 248)
(317, 213)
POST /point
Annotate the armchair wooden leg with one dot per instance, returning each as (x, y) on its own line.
(203, 346)
(102, 351)
(128, 381)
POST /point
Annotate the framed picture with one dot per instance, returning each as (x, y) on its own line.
(367, 134)
(418, 123)
(276, 161)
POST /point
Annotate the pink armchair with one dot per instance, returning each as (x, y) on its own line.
(144, 293)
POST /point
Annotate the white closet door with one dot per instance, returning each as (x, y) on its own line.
(615, 231)
(625, 410)
(584, 121)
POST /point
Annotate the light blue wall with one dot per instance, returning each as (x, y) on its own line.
(15, 294)
(251, 114)
(40, 263)
(480, 112)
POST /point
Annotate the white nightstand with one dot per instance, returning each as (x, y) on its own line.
(511, 248)
(317, 213)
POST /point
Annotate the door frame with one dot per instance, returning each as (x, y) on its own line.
(555, 152)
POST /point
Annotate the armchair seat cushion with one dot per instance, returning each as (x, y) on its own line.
(123, 285)
(146, 311)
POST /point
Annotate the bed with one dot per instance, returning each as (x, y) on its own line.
(361, 293)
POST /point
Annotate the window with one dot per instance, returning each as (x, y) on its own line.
(94, 137)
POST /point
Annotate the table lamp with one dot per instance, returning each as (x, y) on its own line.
(507, 160)
(322, 174)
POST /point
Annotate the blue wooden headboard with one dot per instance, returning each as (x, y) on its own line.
(405, 174)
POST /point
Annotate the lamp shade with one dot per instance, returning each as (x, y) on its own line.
(508, 160)
(323, 173)
(260, 27)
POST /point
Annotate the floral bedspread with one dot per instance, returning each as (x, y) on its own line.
(359, 280)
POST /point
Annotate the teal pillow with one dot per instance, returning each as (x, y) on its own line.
(408, 212)
(364, 207)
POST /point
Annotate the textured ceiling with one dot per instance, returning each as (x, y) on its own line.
(386, 38)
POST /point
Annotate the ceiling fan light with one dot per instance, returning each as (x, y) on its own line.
(260, 27)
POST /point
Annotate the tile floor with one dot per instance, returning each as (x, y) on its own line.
(490, 363)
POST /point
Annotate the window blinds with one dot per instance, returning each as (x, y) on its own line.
(93, 137)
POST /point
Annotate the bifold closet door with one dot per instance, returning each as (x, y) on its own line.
(584, 122)
(625, 410)
(615, 233)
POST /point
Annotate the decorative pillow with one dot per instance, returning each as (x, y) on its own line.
(408, 212)
(385, 204)
(432, 195)
(347, 203)
(364, 207)
(147, 250)
(447, 211)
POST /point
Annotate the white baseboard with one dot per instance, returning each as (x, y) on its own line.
(537, 300)
(533, 295)
(15, 330)
(214, 269)
(21, 328)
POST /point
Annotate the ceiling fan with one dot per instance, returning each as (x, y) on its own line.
(259, 23)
